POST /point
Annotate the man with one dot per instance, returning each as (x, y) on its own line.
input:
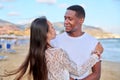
(77, 43)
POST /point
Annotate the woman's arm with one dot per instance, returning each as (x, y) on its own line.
(75, 69)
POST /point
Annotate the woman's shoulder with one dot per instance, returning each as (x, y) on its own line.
(55, 49)
(57, 53)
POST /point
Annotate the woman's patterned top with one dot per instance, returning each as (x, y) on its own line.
(60, 66)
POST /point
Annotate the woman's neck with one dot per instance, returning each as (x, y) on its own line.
(48, 44)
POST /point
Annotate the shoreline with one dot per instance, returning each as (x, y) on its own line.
(106, 38)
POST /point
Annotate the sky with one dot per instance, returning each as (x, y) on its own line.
(99, 13)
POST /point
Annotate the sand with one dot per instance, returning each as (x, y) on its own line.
(110, 70)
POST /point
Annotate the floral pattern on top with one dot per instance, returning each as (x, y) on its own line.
(60, 66)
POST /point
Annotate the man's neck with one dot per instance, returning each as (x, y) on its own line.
(76, 34)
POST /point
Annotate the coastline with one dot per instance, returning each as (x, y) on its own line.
(110, 70)
(106, 38)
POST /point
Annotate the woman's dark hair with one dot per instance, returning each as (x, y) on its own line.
(80, 12)
(35, 62)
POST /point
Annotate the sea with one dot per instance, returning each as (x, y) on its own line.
(111, 48)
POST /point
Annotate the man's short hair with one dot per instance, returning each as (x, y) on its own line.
(80, 12)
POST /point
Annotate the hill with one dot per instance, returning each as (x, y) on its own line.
(94, 31)
(7, 27)
(23, 29)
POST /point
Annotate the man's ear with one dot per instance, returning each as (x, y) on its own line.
(81, 20)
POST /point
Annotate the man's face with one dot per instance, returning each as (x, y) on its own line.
(71, 21)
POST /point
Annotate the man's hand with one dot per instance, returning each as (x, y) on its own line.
(97, 53)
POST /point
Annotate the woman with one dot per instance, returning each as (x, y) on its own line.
(45, 62)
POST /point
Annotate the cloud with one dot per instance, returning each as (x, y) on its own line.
(10, 6)
(63, 5)
(13, 14)
(6, 0)
(1, 6)
(47, 1)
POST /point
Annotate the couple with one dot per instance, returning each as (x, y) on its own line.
(68, 56)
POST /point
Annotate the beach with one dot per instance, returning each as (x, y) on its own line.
(110, 70)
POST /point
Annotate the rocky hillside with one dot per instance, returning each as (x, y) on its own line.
(23, 29)
(99, 33)
(12, 29)
(94, 31)
(7, 27)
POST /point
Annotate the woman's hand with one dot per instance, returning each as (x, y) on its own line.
(97, 53)
(71, 78)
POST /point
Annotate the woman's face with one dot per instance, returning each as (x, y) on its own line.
(51, 31)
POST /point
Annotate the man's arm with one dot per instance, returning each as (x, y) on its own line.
(96, 72)
(96, 69)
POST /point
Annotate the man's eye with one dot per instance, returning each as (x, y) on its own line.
(70, 19)
(65, 18)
